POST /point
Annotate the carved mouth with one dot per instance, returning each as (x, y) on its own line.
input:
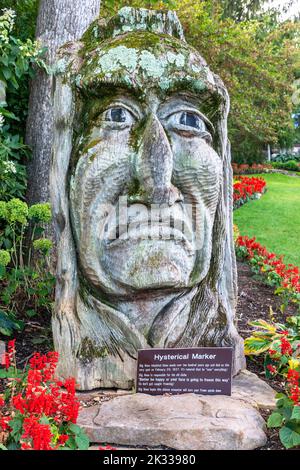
(142, 231)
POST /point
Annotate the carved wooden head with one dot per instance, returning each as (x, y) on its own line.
(141, 179)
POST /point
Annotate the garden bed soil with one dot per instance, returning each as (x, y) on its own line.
(254, 302)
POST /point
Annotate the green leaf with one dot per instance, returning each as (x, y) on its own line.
(7, 73)
(284, 360)
(4, 60)
(296, 413)
(287, 411)
(8, 324)
(263, 325)
(3, 374)
(31, 313)
(289, 437)
(70, 443)
(82, 441)
(75, 429)
(40, 340)
(275, 420)
(16, 425)
(44, 420)
(13, 446)
(283, 401)
(255, 345)
(280, 395)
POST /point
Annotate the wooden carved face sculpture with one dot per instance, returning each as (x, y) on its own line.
(141, 188)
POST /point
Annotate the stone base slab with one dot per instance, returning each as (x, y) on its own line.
(250, 388)
(184, 422)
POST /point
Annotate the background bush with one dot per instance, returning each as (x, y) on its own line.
(285, 157)
(291, 165)
(17, 58)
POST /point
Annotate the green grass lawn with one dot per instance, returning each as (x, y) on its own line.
(275, 218)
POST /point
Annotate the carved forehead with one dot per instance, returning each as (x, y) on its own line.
(137, 19)
(141, 51)
(143, 60)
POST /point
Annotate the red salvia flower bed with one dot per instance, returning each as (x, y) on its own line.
(247, 188)
(272, 266)
(39, 412)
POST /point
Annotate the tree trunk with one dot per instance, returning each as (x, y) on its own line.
(59, 21)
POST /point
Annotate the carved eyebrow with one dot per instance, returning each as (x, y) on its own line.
(103, 85)
(108, 86)
(123, 103)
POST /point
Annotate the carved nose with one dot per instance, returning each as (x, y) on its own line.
(155, 165)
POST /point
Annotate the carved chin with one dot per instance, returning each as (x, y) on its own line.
(146, 264)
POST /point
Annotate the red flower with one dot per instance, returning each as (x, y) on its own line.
(11, 346)
(63, 439)
(7, 361)
(293, 379)
(286, 348)
(43, 397)
(289, 277)
(272, 352)
(9, 355)
(39, 434)
(26, 446)
(272, 369)
(2, 402)
(4, 423)
(246, 187)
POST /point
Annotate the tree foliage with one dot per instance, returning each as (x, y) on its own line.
(241, 10)
(26, 15)
(256, 58)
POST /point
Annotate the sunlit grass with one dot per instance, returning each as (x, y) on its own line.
(274, 219)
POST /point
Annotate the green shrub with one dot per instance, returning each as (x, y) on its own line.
(290, 165)
(17, 58)
(286, 416)
(279, 344)
(4, 258)
(24, 287)
(286, 157)
(26, 16)
(43, 245)
(40, 213)
(12, 171)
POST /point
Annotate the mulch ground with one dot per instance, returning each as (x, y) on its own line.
(254, 302)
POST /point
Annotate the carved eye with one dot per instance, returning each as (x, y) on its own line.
(116, 115)
(118, 118)
(189, 124)
(192, 120)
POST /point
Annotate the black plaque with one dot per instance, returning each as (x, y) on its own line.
(205, 371)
